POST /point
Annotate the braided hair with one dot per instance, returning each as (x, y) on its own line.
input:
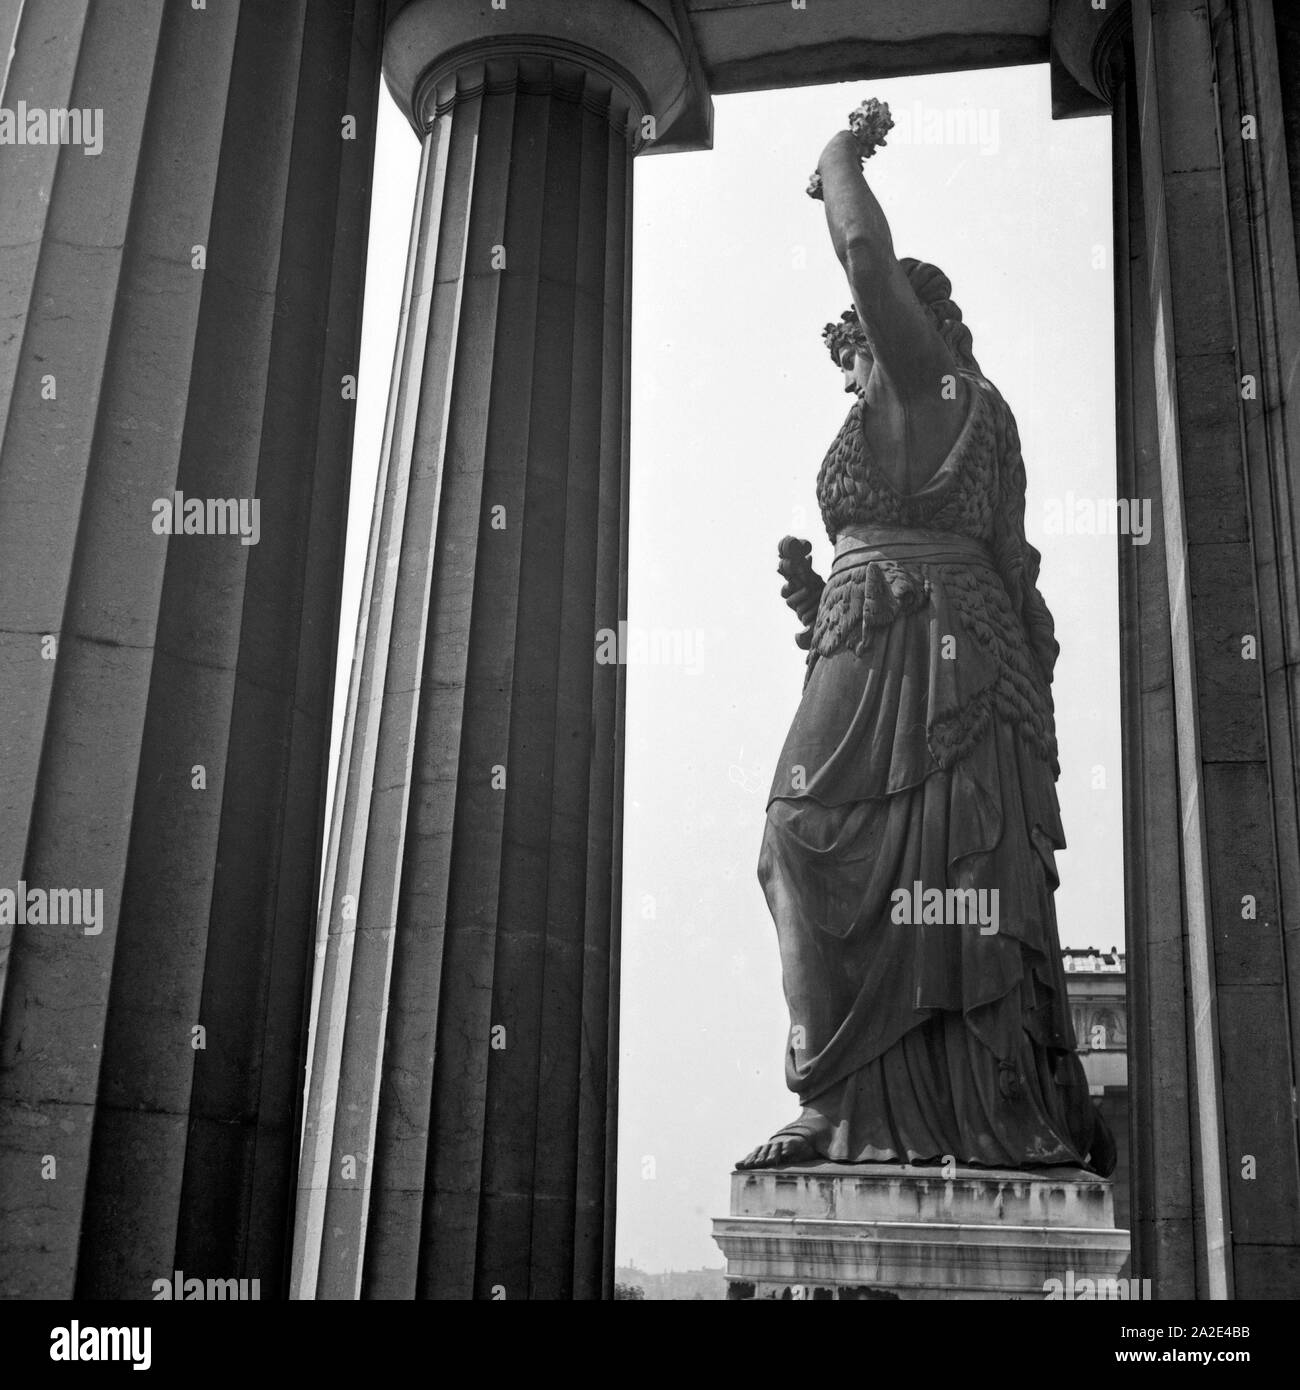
(933, 288)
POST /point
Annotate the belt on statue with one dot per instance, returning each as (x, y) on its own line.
(864, 544)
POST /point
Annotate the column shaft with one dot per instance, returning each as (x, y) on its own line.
(1207, 285)
(1161, 1078)
(181, 311)
(460, 1107)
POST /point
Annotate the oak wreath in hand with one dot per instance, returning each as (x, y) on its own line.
(869, 123)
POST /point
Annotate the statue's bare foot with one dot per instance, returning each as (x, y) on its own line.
(793, 1143)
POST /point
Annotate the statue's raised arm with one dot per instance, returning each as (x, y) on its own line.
(901, 334)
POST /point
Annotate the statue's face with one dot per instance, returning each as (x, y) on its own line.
(857, 367)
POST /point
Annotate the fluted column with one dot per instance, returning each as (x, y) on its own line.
(460, 1125)
(1169, 1224)
(180, 311)
(1207, 346)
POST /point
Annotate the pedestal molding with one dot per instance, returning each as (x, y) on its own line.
(881, 1231)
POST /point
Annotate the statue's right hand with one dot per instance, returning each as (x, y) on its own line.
(804, 597)
(803, 586)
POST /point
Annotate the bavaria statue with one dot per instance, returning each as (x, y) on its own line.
(908, 852)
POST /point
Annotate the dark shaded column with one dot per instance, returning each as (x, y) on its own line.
(1166, 1215)
(460, 1125)
(180, 312)
(1208, 341)
(1255, 798)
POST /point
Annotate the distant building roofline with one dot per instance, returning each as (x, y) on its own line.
(1089, 960)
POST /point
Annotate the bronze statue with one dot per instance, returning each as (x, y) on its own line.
(908, 854)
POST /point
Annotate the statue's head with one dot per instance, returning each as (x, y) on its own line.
(847, 342)
(848, 346)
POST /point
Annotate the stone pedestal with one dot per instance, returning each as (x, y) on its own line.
(876, 1231)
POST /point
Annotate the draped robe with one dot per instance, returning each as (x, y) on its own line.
(923, 756)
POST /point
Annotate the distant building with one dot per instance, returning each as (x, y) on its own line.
(1096, 984)
(684, 1285)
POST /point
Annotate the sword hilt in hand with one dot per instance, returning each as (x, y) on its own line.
(803, 585)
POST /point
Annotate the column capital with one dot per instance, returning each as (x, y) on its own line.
(645, 47)
(1087, 38)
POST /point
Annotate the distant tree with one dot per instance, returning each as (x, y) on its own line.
(628, 1291)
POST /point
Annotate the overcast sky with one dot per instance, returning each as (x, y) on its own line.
(735, 402)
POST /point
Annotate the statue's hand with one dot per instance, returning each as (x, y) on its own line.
(841, 144)
(869, 124)
(803, 586)
(804, 597)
